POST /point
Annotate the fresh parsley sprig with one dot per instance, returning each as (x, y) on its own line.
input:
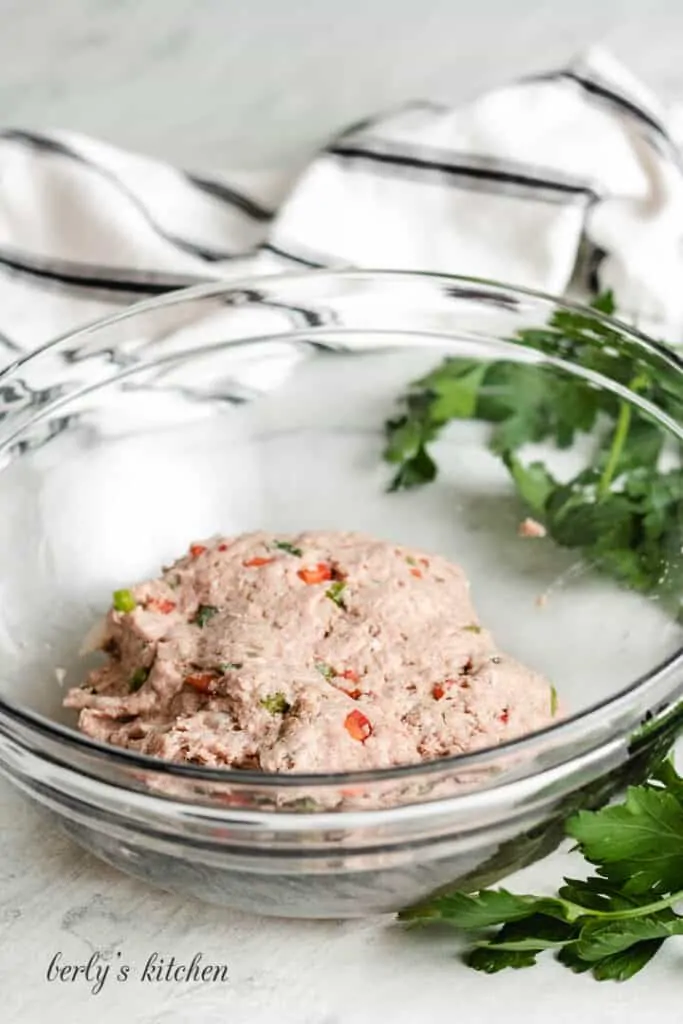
(611, 923)
(622, 510)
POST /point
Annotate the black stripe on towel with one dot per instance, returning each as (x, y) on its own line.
(361, 126)
(464, 175)
(608, 95)
(86, 278)
(6, 342)
(229, 195)
(46, 144)
(301, 260)
(615, 98)
(496, 165)
(605, 96)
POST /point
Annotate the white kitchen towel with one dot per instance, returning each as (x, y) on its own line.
(574, 177)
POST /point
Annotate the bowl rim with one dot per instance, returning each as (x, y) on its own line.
(38, 725)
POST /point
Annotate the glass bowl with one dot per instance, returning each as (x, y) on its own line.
(262, 405)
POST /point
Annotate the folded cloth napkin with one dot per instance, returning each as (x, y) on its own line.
(567, 180)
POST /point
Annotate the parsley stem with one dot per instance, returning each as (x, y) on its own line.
(577, 910)
(642, 911)
(618, 441)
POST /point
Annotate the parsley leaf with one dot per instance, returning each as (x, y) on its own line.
(419, 469)
(621, 510)
(599, 939)
(611, 923)
(637, 844)
(490, 960)
(622, 966)
(534, 483)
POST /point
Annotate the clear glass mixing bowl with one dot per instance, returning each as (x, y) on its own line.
(261, 405)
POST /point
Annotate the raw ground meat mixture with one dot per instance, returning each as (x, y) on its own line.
(311, 653)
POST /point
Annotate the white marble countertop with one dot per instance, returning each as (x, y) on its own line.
(214, 83)
(53, 897)
(227, 84)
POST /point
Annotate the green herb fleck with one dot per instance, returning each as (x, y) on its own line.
(472, 628)
(205, 613)
(124, 601)
(554, 701)
(139, 677)
(228, 666)
(335, 591)
(410, 560)
(284, 545)
(302, 804)
(325, 670)
(276, 703)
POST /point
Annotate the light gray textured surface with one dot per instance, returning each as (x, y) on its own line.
(247, 84)
(230, 83)
(53, 897)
